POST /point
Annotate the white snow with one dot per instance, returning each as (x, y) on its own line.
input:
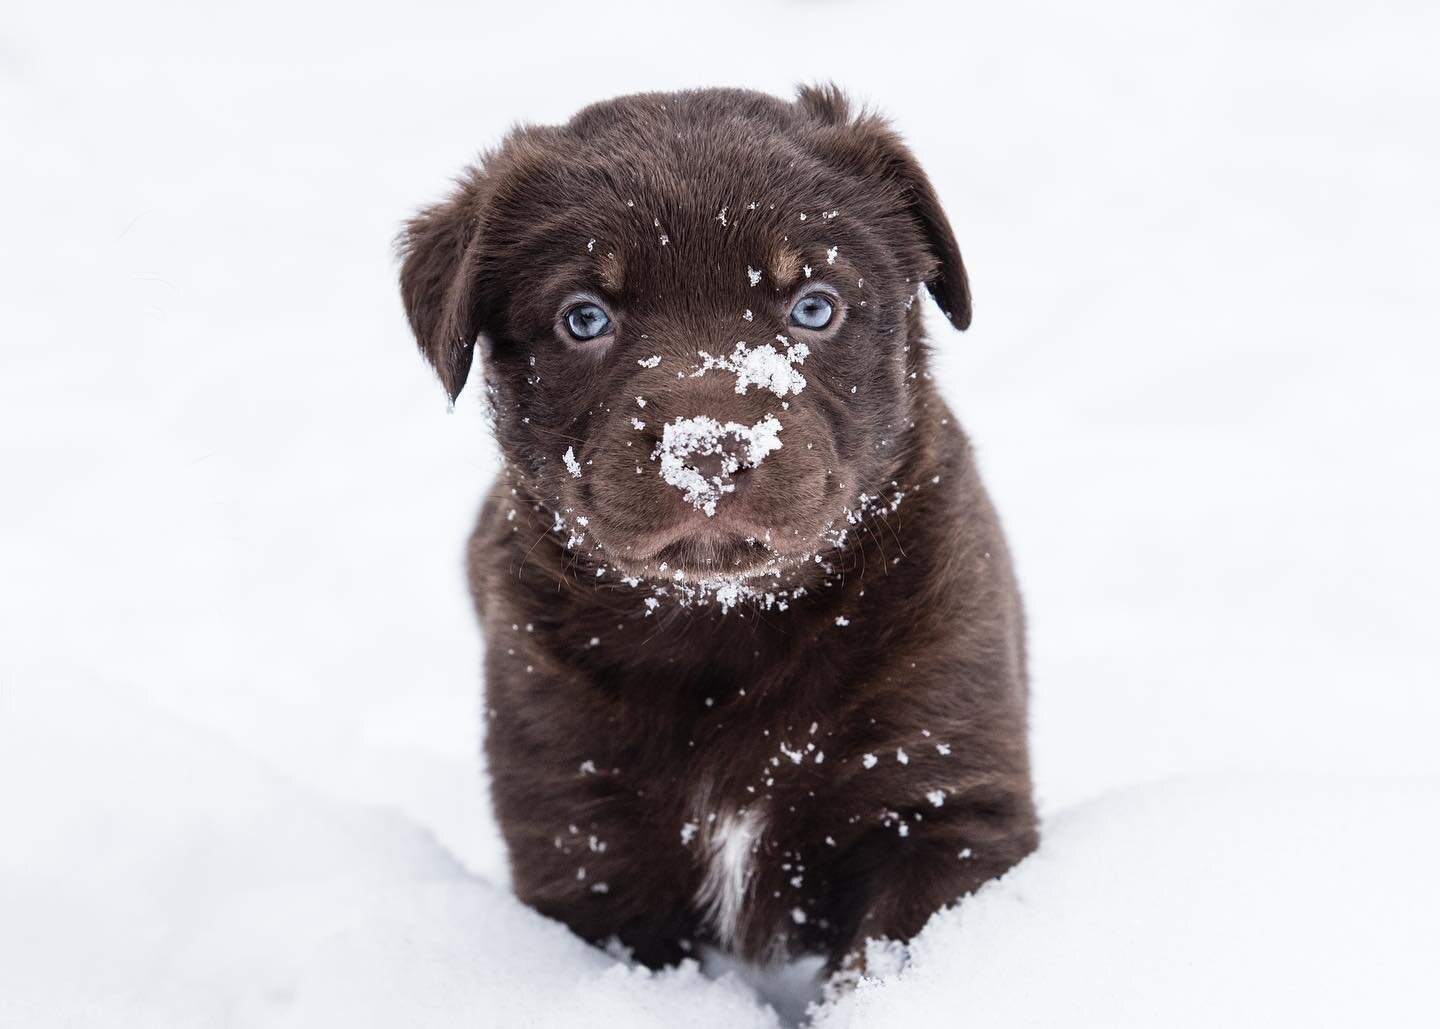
(216, 890)
(180, 882)
(571, 464)
(238, 703)
(762, 366)
(1140, 899)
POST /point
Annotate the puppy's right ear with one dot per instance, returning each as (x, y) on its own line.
(439, 250)
(867, 145)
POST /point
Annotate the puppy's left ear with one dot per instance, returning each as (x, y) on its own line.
(438, 250)
(948, 283)
(866, 144)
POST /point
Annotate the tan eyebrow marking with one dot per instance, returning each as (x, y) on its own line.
(785, 267)
(841, 272)
(612, 273)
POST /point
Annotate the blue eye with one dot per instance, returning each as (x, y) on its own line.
(587, 321)
(813, 311)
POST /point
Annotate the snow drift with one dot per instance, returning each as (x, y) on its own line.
(191, 885)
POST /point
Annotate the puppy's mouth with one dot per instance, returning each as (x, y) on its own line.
(731, 546)
(715, 553)
(727, 544)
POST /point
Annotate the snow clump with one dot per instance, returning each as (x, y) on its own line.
(762, 366)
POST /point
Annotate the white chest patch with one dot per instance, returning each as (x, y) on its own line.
(730, 847)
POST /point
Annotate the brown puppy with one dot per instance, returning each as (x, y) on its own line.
(755, 664)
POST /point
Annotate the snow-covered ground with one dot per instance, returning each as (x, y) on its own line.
(238, 674)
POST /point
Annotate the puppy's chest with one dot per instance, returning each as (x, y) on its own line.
(730, 773)
(754, 824)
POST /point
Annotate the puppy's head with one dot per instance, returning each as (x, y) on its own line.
(696, 316)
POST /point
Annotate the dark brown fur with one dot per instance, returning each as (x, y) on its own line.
(620, 739)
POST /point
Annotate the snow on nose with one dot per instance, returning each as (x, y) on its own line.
(701, 457)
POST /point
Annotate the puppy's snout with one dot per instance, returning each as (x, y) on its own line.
(714, 450)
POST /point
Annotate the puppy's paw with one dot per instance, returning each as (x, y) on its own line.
(874, 959)
(842, 982)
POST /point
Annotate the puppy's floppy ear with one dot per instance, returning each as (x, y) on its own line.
(869, 146)
(949, 284)
(439, 251)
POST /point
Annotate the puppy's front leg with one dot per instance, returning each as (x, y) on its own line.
(901, 873)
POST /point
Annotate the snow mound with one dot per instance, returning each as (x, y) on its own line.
(187, 884)
(1237, 901)
(190, 885)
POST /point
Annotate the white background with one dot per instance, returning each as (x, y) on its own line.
(1201, 380)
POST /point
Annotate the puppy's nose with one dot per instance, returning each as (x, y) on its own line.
(711, 466)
